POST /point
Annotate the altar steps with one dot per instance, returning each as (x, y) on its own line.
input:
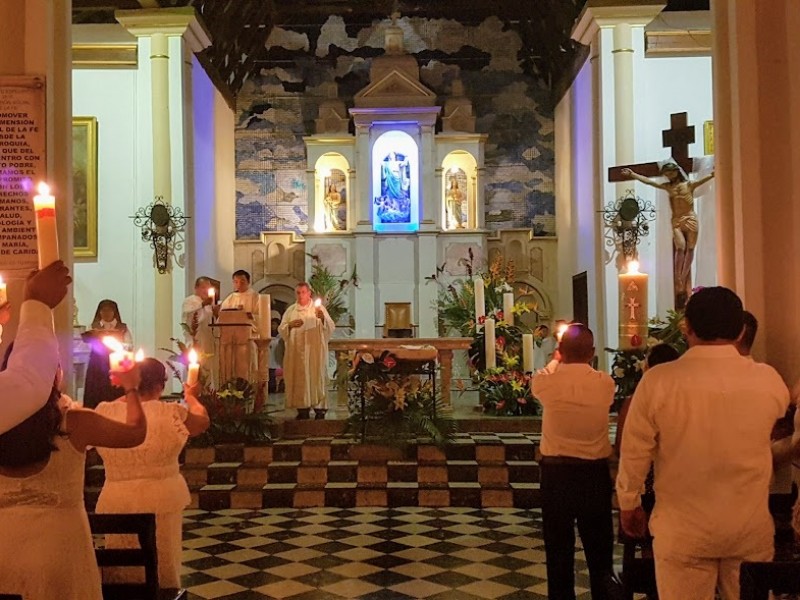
(477, 470)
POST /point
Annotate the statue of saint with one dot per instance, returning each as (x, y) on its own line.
(685, 227)
(332, 201)
(455, 203)
(396, 182)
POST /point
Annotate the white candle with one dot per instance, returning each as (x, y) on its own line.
(264, 316)
(491, 356)
(47, 237)
(119, 359)
(560, 332)
(480, 301)
(212, 293)
(3, 292)
(194, 368)
(527, 352)
(508, 308)
(632, 308)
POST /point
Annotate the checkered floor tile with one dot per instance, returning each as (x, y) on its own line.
(369, 554)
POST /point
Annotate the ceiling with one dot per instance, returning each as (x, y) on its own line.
(239, 28)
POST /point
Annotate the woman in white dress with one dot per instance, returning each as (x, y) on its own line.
(46, 545)
(147, 479)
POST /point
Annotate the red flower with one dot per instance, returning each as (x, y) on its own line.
(522, 401)
(500, 405)
(500, 314)
(482, 319)
(389, 361)
(500, 342)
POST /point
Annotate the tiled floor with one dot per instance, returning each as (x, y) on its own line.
(368, 553)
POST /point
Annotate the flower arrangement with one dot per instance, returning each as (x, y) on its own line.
(506, 390)
(391, 402)
(627, 366)
(237, 415)
(330, 289)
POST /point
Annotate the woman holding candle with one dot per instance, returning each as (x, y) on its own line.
(46, 541)
(106, 322)
(147, 479)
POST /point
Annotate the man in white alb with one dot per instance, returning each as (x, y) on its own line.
(25, 385)
(197, 312)
(575, 480)
(243, 296)
(705, 422)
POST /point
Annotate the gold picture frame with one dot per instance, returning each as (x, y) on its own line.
(708, 138)
(84, 186)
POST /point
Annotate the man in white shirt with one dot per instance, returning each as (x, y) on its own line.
(705, 421)
(243, 296)
(575, 480)
(544, 348)
(25, 386)
(197, 313)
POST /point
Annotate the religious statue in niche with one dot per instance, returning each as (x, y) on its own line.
(685, 227)
(394, 203)
(454, 200)
(333, 201)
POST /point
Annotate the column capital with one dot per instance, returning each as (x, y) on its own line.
(181, 21)
(608, 13)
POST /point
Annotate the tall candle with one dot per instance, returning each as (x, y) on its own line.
(508, 308)
(3, 292)
(632, 308)
(527, 352)
(194, 368)
(264, 316)
(47, 237)
(119, 359)
(491, 356)
(480, 301)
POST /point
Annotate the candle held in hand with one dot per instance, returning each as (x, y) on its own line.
(194, 368)
(212, 293)
(3, 292)
(44, 205)
(139, 357)
(561, 330)
(119, 359)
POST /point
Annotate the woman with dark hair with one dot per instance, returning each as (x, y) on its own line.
(147, 479)
(106, 322)
(46, 541)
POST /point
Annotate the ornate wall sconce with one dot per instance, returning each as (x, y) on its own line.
(627, 220)
(162, 225)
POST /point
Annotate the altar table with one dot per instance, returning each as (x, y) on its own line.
(444, 351)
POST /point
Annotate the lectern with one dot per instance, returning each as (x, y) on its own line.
(235, 346)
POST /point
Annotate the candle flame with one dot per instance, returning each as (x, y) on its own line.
(43, 189)
(113, 343)
(561, 330)
(633, 266)
(139, 357)
(318, 302)
(192, 357)
(1, 280)
(212, 292)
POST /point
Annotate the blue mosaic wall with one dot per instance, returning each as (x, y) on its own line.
(278, 108)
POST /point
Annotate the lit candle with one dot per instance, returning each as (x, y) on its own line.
(632, 308)
(119, 359)
(47, 237)
(491, 356)
(194, 368)
(527, 352)
(264, 316)
(508, 308)
(480, 301)
(139, 357)
(561, 330)
(212, 293)
(3, 292)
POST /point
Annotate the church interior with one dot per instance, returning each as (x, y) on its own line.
(445, 175)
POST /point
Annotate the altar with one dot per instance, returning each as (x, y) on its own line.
(443, 346)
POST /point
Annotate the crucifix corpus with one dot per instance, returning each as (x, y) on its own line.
(680, 190)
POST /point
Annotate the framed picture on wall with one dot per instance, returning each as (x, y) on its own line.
(84, 186)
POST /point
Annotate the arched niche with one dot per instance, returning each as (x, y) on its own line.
(395, 183)
(459, 191)
(332, 187)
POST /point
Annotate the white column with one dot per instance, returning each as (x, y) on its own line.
(623, 98)
(362, 199)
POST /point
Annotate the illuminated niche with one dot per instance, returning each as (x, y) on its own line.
(459, 202)
(395, 183)
(331, 193)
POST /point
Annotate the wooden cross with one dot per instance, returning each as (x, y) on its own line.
(677, 138)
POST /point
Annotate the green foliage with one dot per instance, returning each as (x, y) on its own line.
(330, 288)
(398, 403)
(237, 415)
(506, 389)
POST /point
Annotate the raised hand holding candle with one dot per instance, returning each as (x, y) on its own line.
(480, 301)
(489, 348)
(560, 332)
(527, 352)
(508, 308)
(212, 293)
(632, 308)
(119, 359)
(44, 205)
(264, 316)
(3, 292)
(194, 368)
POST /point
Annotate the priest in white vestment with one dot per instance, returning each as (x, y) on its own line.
(306, 329)
(197, 313)
(243, 296)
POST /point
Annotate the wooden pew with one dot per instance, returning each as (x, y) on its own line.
(144, 526)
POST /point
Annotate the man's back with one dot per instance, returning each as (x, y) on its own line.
(707, 418)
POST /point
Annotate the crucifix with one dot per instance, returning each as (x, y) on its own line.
(680, 190)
